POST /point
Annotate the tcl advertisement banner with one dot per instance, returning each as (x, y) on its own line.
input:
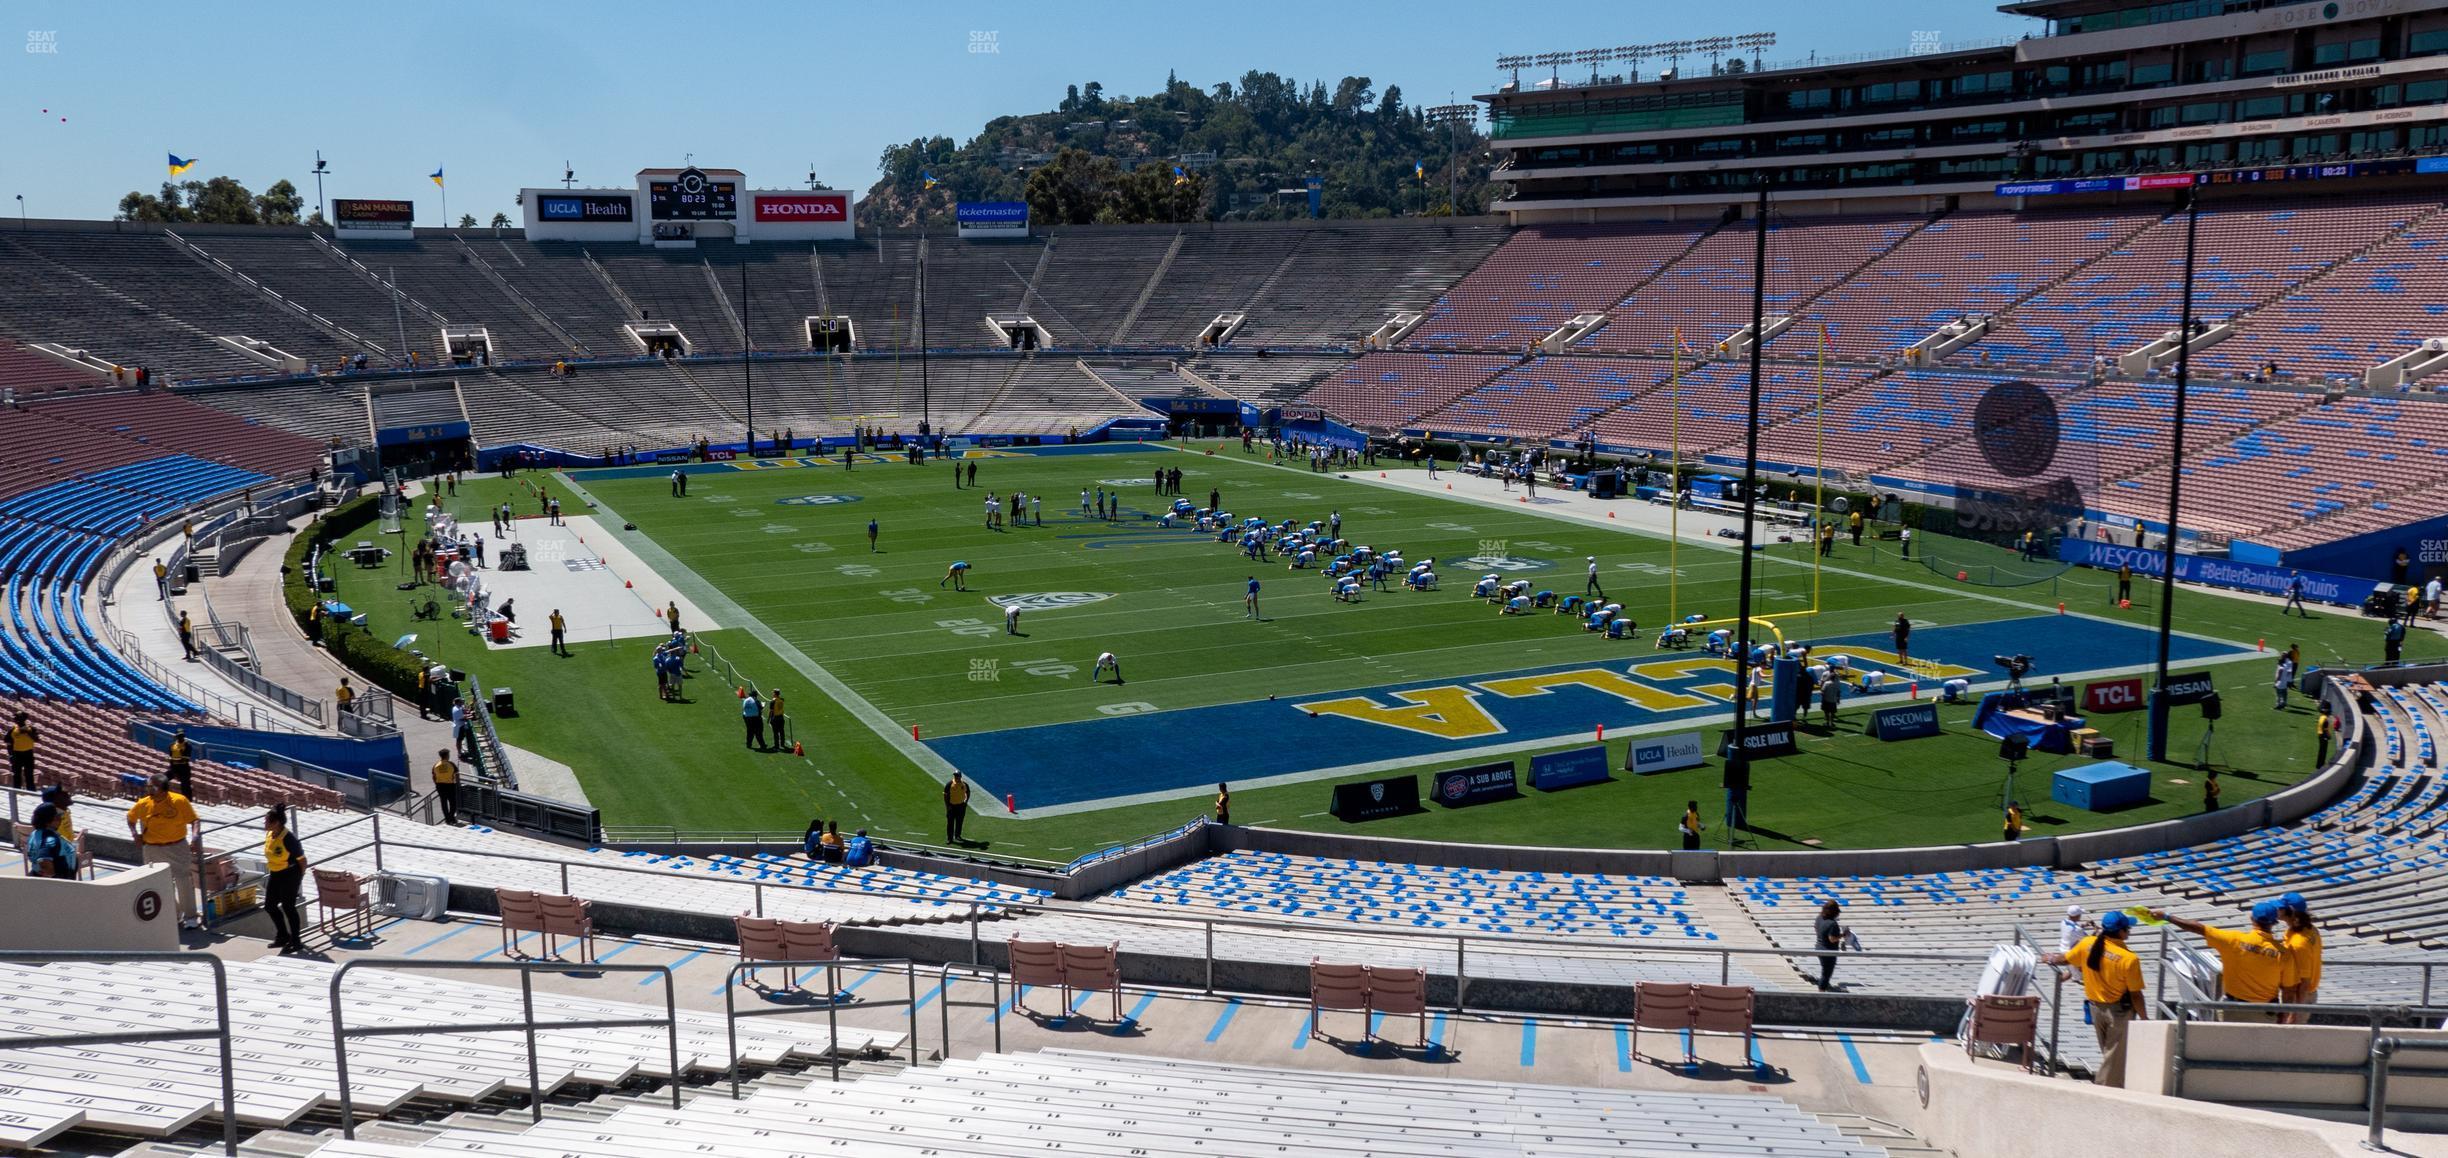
(2123, 695)
(348, 213)
(818, 207)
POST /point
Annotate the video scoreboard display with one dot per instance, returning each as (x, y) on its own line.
(692, 196)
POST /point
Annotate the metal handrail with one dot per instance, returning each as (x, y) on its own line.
(2383, 1052)
(732, 1013)
(670, 1021)
(220, 1030)
(2185, 1013)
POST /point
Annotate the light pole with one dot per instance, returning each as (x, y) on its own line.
(21, 217)
(1454, 117)
(319, 169)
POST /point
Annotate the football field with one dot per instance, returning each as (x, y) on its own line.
(895, 678)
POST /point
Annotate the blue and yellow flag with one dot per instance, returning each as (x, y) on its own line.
(926, 180)
(1419, 170)
(179, 165)
(1179, 177)
(437, 177)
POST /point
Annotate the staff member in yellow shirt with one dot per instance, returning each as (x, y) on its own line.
(2254, 965)
(956, 807)
(2112, 985)
(446, 785)
(2303, 945)
(182, 770)
(560, 628)
(345, 696)
(1690, 827)
(23, 737)
(285, 869)
(165, 824)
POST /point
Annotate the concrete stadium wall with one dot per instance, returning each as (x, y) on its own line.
(1995, 1110)
(103, 915)
(2418, 1081)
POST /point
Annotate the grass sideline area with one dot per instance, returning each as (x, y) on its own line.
(881, 623)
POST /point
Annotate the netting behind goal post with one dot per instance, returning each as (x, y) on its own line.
(2023, 475)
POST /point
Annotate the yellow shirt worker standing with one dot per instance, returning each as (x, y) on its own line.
(2303, 945)
(2112, 987)
(165, 824)
(2254, 965)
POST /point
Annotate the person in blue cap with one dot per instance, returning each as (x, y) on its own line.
(2303, 946)
(2112, 986)
(2254, 966)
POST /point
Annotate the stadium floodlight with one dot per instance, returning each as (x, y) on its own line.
(1631, 55)
(1513, 64)
(1593, 57)
(1755, 41)
(321, 168)
(1553, 62)
(1716, 48)
(569, 176)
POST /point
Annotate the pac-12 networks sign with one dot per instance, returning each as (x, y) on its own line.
(819, 207)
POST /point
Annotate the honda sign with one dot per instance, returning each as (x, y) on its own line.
(823, 207)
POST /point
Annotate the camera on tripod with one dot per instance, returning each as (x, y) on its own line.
(2015, 667)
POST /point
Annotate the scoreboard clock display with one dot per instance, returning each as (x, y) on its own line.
(692, 196)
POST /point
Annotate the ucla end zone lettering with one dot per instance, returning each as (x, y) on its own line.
(1624, 687)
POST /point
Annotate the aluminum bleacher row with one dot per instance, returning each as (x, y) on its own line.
(2371, 863)
(1070, 1102)
(1285, 887)
(50, 646)
(280, 1012)
(86, 749)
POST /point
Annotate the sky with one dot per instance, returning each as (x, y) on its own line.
(501, 94)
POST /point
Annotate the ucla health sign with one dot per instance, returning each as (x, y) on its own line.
(2319, 587)
(1648, 754)
(991, 219)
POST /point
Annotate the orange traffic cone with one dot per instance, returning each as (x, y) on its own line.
(1381, 474)
(1602, 733)
(1523, 499)
(2125, 604)
(1610, 514)
(1448, 486)
(1915, 687)
(1011, 803)
(1963, 576)
(798, 749)
(2261, 645)
(743, 693)
(2061, 607)
(627, 585)
(913, 731)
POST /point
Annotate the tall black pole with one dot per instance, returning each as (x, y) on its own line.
(747, 375)
(1750, 481)
(2167, 549)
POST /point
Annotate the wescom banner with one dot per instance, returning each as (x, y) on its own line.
(2319, 587)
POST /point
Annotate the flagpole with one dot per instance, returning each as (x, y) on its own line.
(1819, 467)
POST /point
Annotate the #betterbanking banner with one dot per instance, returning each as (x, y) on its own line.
(2319, 587)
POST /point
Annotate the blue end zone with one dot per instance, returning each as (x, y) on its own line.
(1193, 748)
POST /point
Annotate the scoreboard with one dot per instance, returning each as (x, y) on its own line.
(692, 196)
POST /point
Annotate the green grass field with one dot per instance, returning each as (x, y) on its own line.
(926, 656)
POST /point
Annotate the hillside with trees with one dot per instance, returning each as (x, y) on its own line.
(1237, 151)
